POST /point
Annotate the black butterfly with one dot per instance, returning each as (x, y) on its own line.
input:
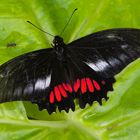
(83, 70)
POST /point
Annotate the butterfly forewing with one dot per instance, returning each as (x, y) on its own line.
(109, 51)
(26, 77)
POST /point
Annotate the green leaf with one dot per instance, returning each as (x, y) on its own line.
(118, 118)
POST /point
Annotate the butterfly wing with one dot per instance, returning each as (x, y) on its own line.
(26, 77)
(87, 85)
(109, 51)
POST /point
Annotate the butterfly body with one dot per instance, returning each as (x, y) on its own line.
(83, 70)
(58, 46)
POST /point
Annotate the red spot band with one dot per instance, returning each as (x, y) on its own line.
(84, 84)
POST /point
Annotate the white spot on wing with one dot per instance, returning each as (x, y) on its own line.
(115, 36)
(40, 84)
(92, 65)
(28, 89)
(48, 80)
(43, 83)
(124, 46)
(100, 65)
(111, 36)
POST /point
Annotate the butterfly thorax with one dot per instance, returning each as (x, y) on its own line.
(58, 45)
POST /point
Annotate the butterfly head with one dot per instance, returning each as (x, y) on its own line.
(58, 41)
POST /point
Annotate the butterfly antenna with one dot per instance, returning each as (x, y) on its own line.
(68, 21)
(40, 29)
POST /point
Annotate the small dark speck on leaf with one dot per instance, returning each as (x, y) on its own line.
(11, 44)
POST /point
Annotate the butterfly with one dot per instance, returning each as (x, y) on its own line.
(83, 70)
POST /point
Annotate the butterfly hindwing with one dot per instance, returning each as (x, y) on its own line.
(88, 86)
(109, 51)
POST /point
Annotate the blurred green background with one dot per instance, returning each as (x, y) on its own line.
(118, 118)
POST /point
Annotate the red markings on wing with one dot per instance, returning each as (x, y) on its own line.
(76, 85)
(89, 85)
(62, 91)
(69, 88)
(97, 86)
(65, 89)
(57, 94)
(51, 97)
(83, 86)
